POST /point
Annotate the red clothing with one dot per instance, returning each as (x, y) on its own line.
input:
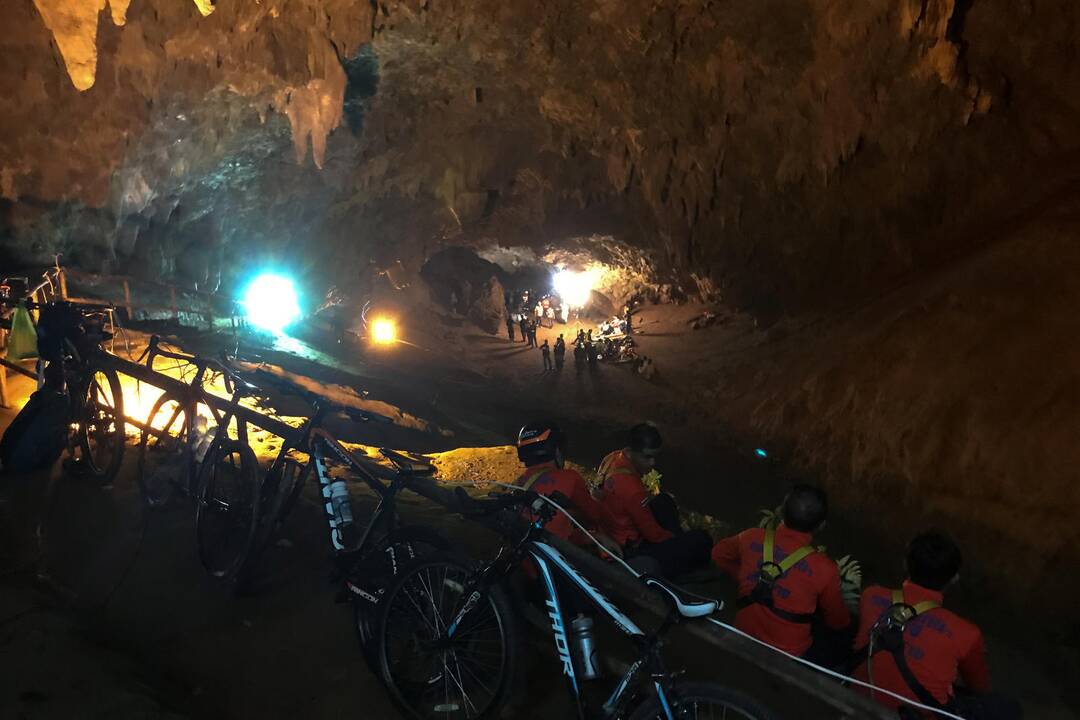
(812, 583)
(549, 479)
(626, 500)
(939, 646)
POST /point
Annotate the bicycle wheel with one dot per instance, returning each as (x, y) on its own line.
(429, 676)
(227, 509)
(101, 424)
(690, 701)
(370, 576)
(273, 506)
(163, 458)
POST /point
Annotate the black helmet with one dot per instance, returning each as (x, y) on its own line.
(539, 442)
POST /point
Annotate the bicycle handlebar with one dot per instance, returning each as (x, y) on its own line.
(537, 504)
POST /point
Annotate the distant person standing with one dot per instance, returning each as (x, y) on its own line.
(532, 333)
(523, 323)
(510, 327)
(579, 356)
(560, 352)
(545, 350)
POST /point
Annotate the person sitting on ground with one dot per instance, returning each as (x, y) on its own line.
(541, 447)
(647, 526)
(921, 649)
(783, 580)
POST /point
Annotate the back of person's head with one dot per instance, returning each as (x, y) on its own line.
(805, 508)
(541, 442)
(933, 560)
(645, 438)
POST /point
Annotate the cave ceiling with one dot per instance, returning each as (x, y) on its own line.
(777, 153)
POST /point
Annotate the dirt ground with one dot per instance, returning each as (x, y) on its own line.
(153, 636)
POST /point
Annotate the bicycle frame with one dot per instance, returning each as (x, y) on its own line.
(193, 395)
(551, 563)
(316, 442)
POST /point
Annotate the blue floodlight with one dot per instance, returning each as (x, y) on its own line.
(271, 302)
(761, 453)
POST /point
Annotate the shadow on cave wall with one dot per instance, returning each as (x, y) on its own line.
(362, 82)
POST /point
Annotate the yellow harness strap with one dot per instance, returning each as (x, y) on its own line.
(531, 479)
(791, 560)
(925, 606)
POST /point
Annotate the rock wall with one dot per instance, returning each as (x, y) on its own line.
(784, 154)
(950, 402)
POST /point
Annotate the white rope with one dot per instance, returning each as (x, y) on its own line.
(836, 675)
(730, 628)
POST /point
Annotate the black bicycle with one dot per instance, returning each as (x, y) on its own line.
(448, 643)
(366, 558)
(72, 363)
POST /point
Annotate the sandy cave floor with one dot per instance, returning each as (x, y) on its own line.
(169, 641)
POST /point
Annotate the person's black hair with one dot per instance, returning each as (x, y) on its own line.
(933, 560)
(805, 508)
(645, 436)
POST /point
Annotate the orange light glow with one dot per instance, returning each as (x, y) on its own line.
(383, 331)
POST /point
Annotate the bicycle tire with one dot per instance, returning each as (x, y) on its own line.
(428, 694)
(376, 569)
(273, 496)
(227, 508)
(101, 424)
(158, 454)
(690, 700)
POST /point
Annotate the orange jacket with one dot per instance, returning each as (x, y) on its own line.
(546, 479)
(939, 645)
(626, 500)
(813, 582)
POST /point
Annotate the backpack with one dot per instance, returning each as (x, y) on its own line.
(38, 434)
(771, 572)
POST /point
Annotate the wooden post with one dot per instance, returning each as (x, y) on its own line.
(127, 301)
(63, 284)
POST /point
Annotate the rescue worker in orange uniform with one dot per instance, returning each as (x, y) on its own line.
(783, 580)
(540, 447)
(920, 649)
(644, 525)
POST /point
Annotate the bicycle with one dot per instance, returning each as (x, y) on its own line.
(215, 470)
(71, 363)
(447, 639)
(364, 560)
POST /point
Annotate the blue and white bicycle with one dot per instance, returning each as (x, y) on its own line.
(448, 646)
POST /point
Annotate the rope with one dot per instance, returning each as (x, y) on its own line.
(730, 628)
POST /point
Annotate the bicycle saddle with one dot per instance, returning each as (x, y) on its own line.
(407, 463)
(686, 604)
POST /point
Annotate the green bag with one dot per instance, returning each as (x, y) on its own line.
(22, 342)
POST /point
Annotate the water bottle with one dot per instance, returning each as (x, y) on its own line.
(341, 509)
(202, 435)
(581, 629)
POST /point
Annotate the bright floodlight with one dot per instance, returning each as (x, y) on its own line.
(383, 331)
(574, 287)
(271, 302)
